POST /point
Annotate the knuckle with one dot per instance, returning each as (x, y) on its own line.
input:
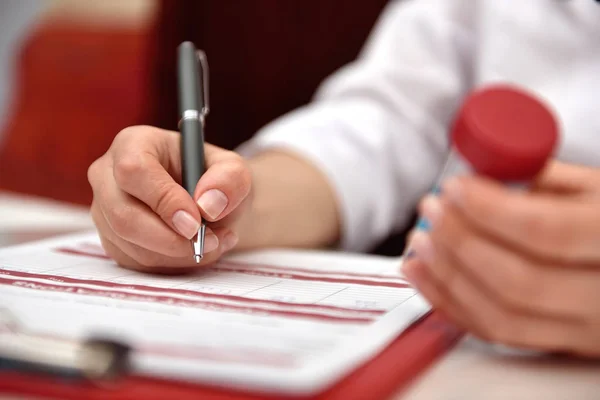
(165, 199)
(94, 172)
(133, 136)
(127, 169)
(129, 133)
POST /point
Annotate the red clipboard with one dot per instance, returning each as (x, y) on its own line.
(388, 373)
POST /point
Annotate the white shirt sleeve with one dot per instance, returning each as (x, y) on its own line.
(377, 128)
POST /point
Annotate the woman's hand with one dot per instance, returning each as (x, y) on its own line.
(146, 219)
(514, 267)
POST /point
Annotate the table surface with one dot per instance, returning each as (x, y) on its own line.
(473, 370)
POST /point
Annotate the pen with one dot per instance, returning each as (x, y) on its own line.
(193, 107)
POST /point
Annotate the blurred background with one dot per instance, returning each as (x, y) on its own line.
(73, 73)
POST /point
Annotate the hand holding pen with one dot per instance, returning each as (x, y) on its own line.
(154, 190)
(192, 70)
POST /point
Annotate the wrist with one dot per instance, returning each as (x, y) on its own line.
(252, 225)
(291, 205)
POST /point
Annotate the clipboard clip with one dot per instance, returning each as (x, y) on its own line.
(95, 360)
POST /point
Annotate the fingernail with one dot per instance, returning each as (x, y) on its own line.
(423, 224)
(185, 224)
(453, 190)
(431, 210)
(410, 254)
(422, 247)
(229, 241)
(211, 242)
(213, 202)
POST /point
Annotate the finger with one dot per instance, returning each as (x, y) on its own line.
(114, 251)
(162, 144)
(131, 220)
(416, 273)
(127, 254)
(567, 179)
(493, 322)
(545, 226)
(135, 223)
(513, 279)
(116, 254)
(226, 183)
(147, 170)
(134, 257)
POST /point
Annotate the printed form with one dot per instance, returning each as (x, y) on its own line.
(273, 320)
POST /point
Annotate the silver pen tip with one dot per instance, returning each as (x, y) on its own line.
(198, 244)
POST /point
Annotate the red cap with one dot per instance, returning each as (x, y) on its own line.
(505, 133)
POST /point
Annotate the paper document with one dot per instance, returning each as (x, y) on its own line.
(278, 320)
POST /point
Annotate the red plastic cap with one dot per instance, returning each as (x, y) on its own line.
(505, 133)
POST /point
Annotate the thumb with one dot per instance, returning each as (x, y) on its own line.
(226, 183)
(568, 179)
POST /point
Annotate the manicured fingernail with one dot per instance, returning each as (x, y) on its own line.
(422, 246)
(229, 241)
(423, 224)
(213, 202)
(431, 210)
(453, 190)
(185, 224)
(211, 242)
(409, 251)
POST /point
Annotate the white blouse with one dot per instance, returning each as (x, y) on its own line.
(378, 127)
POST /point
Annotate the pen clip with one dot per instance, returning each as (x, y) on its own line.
(204, 79)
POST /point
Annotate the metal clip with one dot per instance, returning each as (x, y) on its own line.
(204, 80)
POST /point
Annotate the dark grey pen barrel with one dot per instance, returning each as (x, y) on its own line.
(188, 73)
(192, 156)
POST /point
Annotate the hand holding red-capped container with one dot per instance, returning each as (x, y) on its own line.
(503, 133)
